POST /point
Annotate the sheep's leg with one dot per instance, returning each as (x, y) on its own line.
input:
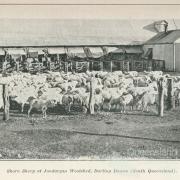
(69, 107)
(124, 108)
(109, 106)
(147, 109)
(130, 107)
(143, 109)
(29, 111)
(116, 107)
(22, 107)
(44, 112)
(136, 106)
(99, 108)
(84, 109)
(121, 109)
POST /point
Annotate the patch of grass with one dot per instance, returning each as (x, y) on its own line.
(105, 135)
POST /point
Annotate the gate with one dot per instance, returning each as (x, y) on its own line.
(125, 66)
(138, 66)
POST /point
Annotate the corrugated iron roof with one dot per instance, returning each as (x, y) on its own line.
(75, 32)
(54, 32)
(168, 37)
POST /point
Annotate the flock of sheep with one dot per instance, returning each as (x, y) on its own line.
(110, 90)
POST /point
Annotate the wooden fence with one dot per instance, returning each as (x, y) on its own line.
(147, 65)
(95, 65)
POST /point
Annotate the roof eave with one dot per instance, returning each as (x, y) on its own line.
(158, 43)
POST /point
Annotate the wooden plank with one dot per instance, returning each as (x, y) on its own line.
(59, 61)
(92, 65)
(101, 65)
(75, 66)
(66, 67)
(170, 97)
(17, 66)
(88, 66)
(91, 98)
(161, 97)
(71, 66)
(4, 66)
(6, 102)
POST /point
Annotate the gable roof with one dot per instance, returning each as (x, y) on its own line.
(168, 37)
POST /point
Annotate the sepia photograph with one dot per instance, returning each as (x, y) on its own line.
(89, 89)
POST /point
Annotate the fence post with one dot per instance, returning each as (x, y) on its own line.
(88, 66)
(39, 67)
(101, 65)
(161, 97)
(110, 66)
(92, 65)
(71, 65)
(17, 66)
(4, 67)
(91, 98)
(6, 102)
(50, 66)
(170, 96)
(59, 61)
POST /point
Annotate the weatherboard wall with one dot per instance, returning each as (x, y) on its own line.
(162, 52)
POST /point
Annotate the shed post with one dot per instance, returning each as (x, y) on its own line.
(170, 96)
(174, 57)
(6, 102)
(161, 97)
(91, 98)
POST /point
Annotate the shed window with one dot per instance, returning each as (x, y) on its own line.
(149, 54)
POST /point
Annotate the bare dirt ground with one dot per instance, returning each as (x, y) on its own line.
(105, 135)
